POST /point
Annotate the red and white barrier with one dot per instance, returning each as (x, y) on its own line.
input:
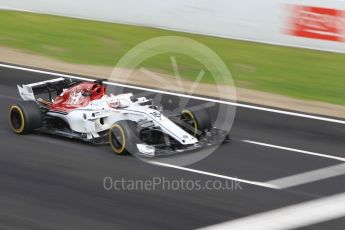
(315, 24)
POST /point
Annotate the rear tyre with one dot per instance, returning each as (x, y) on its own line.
(196, 122)
(25, 117)
(123, 137)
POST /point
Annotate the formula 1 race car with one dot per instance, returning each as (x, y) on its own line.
(82, 110)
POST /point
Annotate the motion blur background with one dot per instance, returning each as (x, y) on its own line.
(285, 54)
(282, 53)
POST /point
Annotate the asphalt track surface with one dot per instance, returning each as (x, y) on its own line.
(57, 183)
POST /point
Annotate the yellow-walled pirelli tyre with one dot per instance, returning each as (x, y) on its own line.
(123, 137)
(196, 122)
(25, 117)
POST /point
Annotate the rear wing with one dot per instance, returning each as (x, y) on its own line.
(29, 91)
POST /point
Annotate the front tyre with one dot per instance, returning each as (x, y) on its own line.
(123, 137)
(196, 122)
(25, 117)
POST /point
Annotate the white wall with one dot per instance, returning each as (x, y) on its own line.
(256, 20)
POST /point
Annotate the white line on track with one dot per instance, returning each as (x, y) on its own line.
(295, 150)
(266, 185)
(308, 177)
(291, 217)
(183, 95)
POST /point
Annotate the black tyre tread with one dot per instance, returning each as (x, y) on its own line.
(32, 116)
(203, 119)
(131, 136)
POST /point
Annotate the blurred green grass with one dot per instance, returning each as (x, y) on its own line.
(294, 72)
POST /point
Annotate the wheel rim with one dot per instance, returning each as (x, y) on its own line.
(188, 118)
(17, 119)
(117, 139)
